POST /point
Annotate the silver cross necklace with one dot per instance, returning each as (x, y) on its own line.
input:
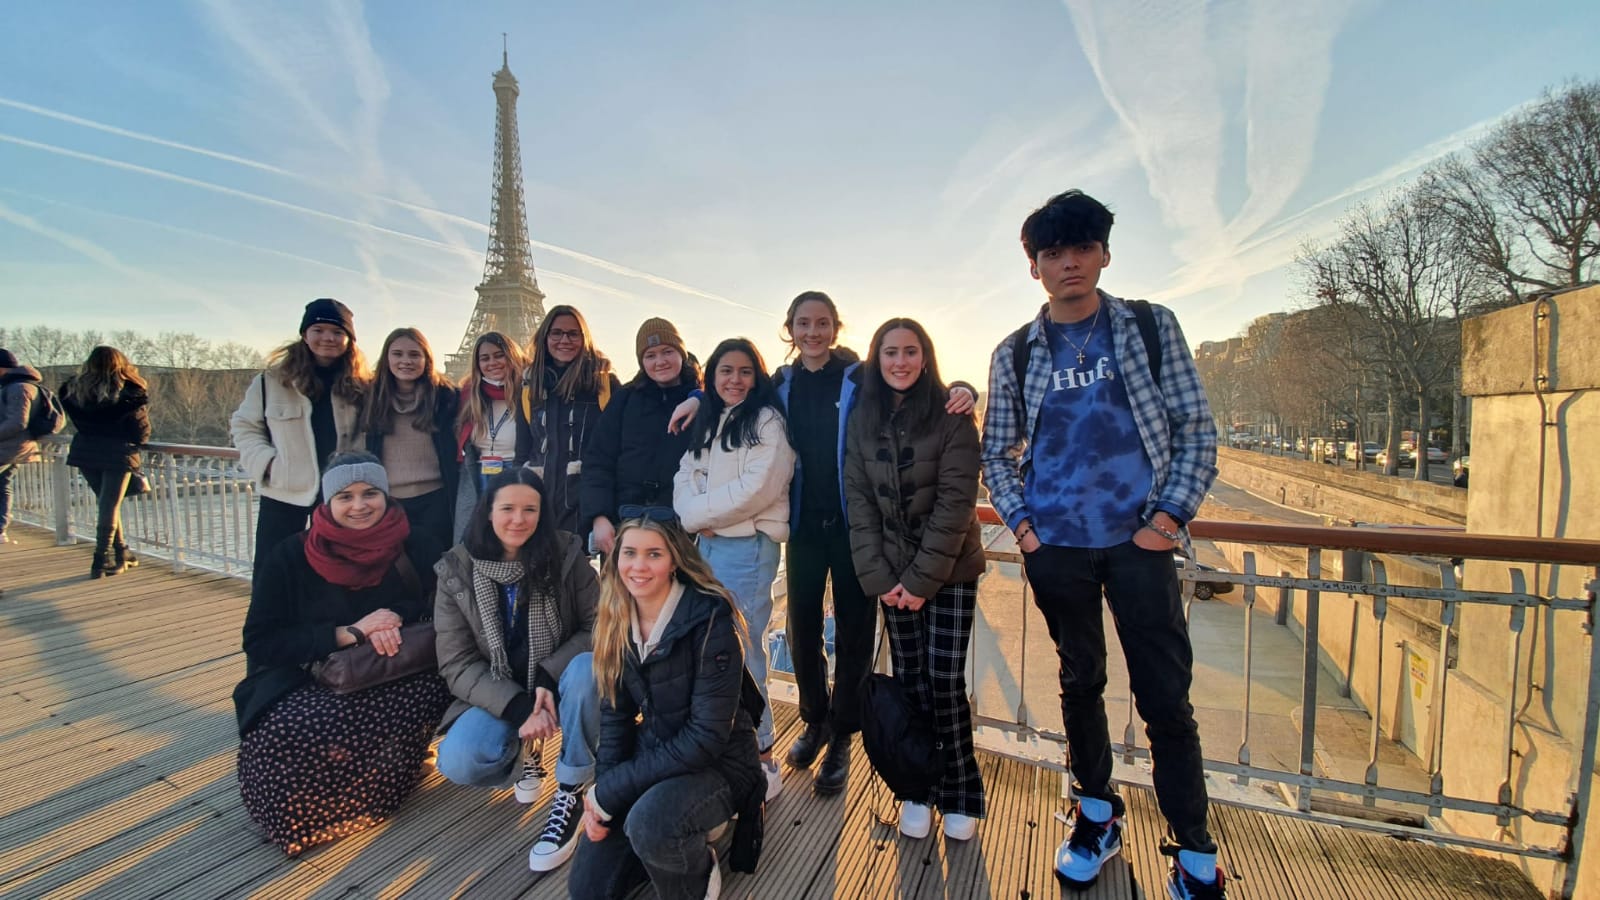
(1088, 334)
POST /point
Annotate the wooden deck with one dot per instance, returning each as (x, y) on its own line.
(118, 738)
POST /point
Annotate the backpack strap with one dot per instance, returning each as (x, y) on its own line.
(1021, 352)
(1146, 317)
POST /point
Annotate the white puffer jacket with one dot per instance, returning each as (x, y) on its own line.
(273, 426)
(738, 492)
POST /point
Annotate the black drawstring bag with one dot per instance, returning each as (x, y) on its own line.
(898, 734)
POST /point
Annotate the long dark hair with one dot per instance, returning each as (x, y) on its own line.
(582, 377)
(379, 414)
(540, 555)
(102, 377)
(744, 425)
(295, 365)
(922, 406)
(475, 407)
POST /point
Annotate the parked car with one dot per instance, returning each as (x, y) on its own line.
(1436, 455)
(1370, 450)
(1460, 470)
(1204, 590)
(1407, 461)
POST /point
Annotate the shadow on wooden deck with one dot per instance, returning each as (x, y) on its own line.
(118, 735)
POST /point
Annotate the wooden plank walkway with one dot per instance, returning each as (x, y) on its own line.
(117, 733)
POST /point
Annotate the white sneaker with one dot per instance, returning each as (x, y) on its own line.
(958, 827)
(916, 819)
(774, 779)
(714, 885)
(560, 836)
(527, 787)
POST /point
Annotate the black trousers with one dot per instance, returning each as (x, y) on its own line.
(814, 554)
(1142, 588)
(109, 487)
(276, 521)
(432, 516)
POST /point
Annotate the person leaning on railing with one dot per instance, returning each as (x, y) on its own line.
(295, 415)
(108, 406)
(316, 765)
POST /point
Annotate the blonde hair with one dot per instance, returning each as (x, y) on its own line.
(614, 624)
(475, 407)
(102, 376)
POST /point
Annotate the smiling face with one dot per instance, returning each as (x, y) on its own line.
(406, 360)
(493, 363)
(663, 364)
(900, 359)
(358, 506)
(326, 342)
(814, 331)
(645, 564)
(564, 341)
(735, 377)
(1070, 274)
(514, 515)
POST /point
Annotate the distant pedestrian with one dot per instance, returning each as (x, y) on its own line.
(108, 405)
(632, 458)
(410, 425)
(568, 385)
(732, 490)
(20, 396)
(486, 428)
(295, 415)
(1098, 448)
(911, 485)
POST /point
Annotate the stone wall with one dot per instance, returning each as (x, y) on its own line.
(1342, 492)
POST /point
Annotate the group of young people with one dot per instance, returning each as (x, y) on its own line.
(390, 496)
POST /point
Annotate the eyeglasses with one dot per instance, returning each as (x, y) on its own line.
(557, 334)
(666, 515)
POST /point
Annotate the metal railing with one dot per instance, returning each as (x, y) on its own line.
(1307, 596)
(200, 511)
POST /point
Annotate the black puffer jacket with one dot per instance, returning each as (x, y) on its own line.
(109, 435)
(689, 695)
(913, 504)
(552, 438)
(632, 458)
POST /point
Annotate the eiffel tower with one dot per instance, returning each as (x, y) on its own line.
(509, 299)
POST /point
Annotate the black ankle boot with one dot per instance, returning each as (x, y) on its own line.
(835, 771)
(125, 557)
(803, 752)
(104, 562)
(97, 568)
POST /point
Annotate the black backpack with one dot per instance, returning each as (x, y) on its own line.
(897, 731)
(47, 415)
(1021, 349)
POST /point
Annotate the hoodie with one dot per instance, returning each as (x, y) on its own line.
(19, 391)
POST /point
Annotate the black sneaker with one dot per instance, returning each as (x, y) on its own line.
(1087, 849)
(1183, 886)
(527, 786)
(560, 835)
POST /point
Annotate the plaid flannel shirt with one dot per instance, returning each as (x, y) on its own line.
(1174, 420)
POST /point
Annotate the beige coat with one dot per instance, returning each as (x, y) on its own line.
(738, 492)
(278, 433)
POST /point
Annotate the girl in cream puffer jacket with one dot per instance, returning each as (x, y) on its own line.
(732, 488)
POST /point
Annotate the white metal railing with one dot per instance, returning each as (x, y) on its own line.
(200, 511)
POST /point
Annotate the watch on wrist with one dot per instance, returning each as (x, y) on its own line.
(356, 633)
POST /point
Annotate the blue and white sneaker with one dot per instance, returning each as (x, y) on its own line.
(1087, 848)
(1184, 885)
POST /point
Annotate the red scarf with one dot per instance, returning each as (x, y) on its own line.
(352, 558)
(493, 392)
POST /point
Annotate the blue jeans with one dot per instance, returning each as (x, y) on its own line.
(6, 471)
(747, 566)
(482, 750)
(662, 838)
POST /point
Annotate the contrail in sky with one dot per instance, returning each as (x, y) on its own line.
(597, 262)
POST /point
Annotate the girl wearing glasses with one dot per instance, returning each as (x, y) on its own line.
(568, 384)
(677, 753)
(732, 488)
(486, 435)
(632, 458)
(911, 485)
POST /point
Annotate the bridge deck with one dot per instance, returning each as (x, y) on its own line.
(117, 731)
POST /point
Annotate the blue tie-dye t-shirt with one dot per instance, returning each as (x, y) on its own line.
(1090, 475)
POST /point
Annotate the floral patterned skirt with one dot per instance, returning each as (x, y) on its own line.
(319, 765)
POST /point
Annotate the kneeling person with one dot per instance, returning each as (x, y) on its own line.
(515, 613)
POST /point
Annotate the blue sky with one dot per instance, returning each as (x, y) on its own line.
(210, 167)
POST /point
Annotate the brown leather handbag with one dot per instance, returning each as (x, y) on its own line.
(360, 667)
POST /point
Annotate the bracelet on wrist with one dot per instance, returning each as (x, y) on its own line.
(356, 633)
(1172, 536)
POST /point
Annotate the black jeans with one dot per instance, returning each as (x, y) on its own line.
(814, 554)
(277, 520)
(1142, 588)
(431, 516)
(108, 487)
(662, 839)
